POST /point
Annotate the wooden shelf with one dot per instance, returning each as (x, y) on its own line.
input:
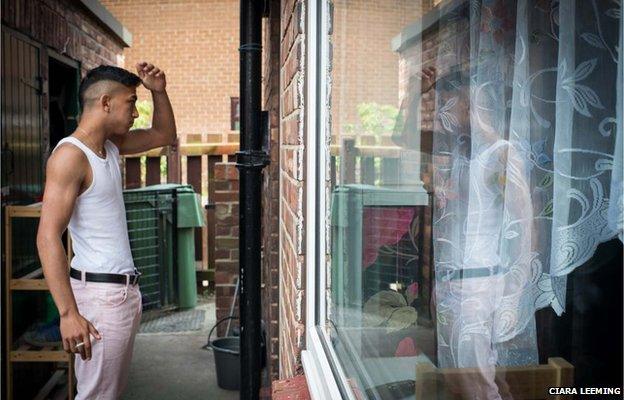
(28, 353)
(30, 211)
(39, 356)
(28, 284)
(20, 351)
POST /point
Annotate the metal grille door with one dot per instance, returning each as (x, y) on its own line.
(22, 144)
(151, 220)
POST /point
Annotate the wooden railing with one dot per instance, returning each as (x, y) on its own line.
(378, 161)
(172, 158)
(364, 163)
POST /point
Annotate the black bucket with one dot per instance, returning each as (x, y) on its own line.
(227, 359)
(227, 362)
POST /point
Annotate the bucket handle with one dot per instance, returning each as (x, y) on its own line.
(209, 344)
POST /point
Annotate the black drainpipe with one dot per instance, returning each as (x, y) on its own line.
(250, 162)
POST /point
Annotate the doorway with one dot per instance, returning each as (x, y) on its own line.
(64, 108)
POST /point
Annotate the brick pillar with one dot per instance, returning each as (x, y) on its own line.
(226, 239)
(270, 190)
(291, 189)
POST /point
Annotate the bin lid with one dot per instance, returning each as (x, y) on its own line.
(190, 212)
(164, 187)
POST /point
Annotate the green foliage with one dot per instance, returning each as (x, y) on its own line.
(146, 109)
(375, 119)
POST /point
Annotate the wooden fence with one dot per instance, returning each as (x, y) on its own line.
(365, 163)
(172, 158)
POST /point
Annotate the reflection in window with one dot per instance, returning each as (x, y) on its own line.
(234, 113)
(476, 196)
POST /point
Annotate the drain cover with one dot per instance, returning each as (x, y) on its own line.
(180, 321)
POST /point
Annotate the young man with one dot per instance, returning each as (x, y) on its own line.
(100, 306)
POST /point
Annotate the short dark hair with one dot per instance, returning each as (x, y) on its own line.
(106, 73)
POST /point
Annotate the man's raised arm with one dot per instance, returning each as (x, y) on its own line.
(163, 131)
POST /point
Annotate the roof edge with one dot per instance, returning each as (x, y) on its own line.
(105, 17)
(415, 30)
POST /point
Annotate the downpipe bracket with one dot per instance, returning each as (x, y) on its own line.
(251, 47)
(252, 159)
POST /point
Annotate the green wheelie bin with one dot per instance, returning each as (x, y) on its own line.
(188, 216)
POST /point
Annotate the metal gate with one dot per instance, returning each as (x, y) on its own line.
(22, 130)
(151, 216)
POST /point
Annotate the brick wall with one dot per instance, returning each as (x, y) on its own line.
(291, 197)
(270, 186)
(196, 43)
(67, 28)
(365, 67)
(226, 239)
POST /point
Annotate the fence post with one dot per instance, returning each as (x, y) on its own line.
(193, 177)
(152, 175)
(367, 170)
(133, 172)
(332, 171)
(173, 163)
(389, 171)
(347, 164)
(210, 212)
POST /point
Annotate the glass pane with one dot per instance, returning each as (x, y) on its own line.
(475, 197)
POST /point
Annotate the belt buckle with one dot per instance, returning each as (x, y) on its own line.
(135, 279)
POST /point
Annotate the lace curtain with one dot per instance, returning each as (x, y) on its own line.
(527, 166)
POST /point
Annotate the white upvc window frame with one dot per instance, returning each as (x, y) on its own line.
(326, 380)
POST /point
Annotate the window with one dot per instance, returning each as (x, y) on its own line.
(469, 172)
(234, 114)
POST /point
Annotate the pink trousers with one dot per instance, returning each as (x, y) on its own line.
(115, 311)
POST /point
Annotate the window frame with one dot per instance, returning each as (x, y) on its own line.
(325, 376)
(326, 379)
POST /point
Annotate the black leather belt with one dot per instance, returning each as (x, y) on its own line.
(471, 273)
(105, 278)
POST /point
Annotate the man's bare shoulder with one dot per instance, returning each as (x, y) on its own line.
(67, 162)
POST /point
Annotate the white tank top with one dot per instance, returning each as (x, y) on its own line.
(484, 220)
(98, 226)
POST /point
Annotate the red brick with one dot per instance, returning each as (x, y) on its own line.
(222, 185)
(224, 277)
(291, 389)
(196, 43)
(225, 197)
(221, 230)
(226, 171)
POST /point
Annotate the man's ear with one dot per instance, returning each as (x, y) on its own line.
(105, 101)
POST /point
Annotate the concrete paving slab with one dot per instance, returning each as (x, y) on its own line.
(173, 366)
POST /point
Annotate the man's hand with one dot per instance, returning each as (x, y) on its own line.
(153, 78)
(427, 79)
(75, 330)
